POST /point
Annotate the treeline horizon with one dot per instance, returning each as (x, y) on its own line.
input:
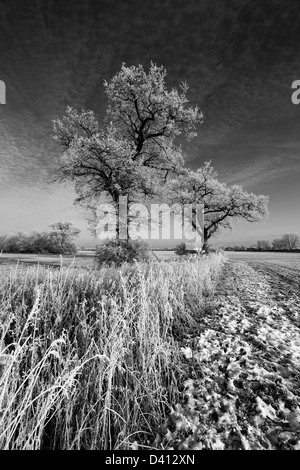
(58, 240)
(288, 242)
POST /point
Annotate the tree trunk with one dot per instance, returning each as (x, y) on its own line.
(206, 237)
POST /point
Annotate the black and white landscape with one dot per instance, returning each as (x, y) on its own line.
(149, 225)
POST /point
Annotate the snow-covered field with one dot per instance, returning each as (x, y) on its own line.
(242, 383)
(239, 380)
(82, 259)
(287, 259)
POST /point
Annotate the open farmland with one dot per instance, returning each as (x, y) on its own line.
(82, 259)
(291, 260)
(277, 267)
(193, 353)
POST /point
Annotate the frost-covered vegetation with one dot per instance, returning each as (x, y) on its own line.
(91, 359)
(191, 353)
(59, 239)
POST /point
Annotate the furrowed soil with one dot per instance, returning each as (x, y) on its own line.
(241, 385)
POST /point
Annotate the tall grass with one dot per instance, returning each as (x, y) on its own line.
(89, 358)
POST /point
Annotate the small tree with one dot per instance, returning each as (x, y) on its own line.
(116, 252)
(181, 249)
(278, 244)
(222, 203)
(239, 248)
(263, 245)
(22, 242)
(291, 241)
(38, 242)
(60, 238)
(12, 244)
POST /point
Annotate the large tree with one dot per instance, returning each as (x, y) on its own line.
(222, 204)
(133, 151)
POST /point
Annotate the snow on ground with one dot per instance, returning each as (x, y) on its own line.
(242, 383)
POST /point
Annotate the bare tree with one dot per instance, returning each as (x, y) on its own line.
(61, 237)
(278, 244)
(291, 241)
(134, 152)
(222, 203)
(263, 245)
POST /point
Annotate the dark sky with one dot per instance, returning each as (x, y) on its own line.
(239, 58)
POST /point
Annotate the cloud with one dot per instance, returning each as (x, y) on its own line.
(265, 170)
(239, 58)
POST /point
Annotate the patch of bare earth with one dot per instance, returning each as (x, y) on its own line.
(241, 385)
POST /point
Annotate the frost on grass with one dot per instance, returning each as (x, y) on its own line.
(242, 383)
(156, 356)
(93, 355)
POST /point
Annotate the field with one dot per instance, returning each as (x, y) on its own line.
(83, 259)
(196, 353)
(286, 260)
(277, 267)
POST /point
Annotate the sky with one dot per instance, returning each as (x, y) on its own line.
(239, 58)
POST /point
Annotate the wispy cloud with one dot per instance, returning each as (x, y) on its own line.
(265, 170)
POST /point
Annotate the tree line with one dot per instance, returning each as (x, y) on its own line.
(288, 242)
(58, 240)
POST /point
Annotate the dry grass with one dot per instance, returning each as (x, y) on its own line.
(89, 359)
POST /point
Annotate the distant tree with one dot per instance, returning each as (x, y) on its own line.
(2, 242)
(36, 242)
(39, 242)
(12, 244)
(222, 203)
(291, 241)
(22, 242)
(58, 240)
(133, 153)
(239, 248)
(278, 244)
(61, 238)
(263, 245)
